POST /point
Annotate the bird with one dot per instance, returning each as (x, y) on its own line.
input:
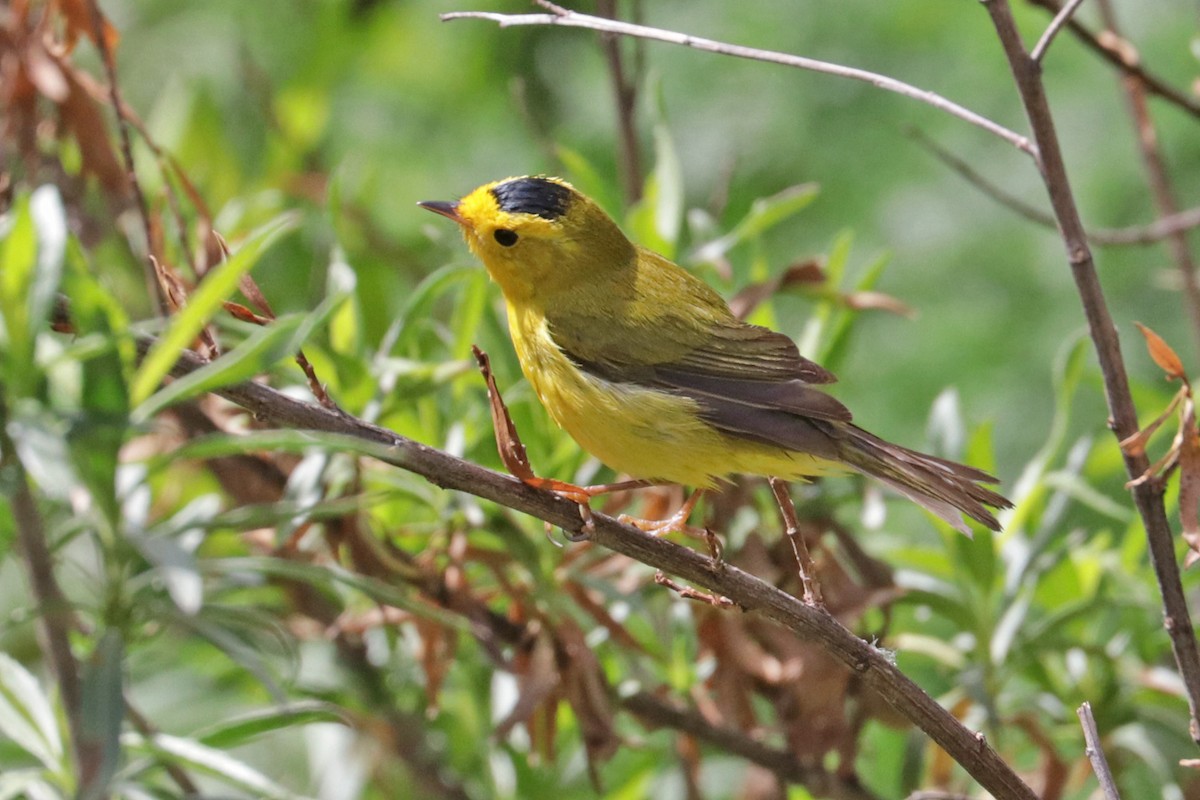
(646, 367)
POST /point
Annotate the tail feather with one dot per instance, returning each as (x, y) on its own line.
(946, 488)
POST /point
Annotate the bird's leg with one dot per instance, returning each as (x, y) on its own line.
(804, 562)
(516, 461)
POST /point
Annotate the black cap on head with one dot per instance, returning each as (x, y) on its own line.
(538, 196)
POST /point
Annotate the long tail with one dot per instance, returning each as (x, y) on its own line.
(944, 487)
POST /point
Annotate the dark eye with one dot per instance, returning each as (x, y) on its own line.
(505, 237)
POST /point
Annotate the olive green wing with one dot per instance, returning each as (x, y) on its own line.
(749, 381)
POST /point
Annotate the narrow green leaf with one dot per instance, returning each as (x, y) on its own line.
(764, 214)
(252, 356)
(27, 718)
(668, 175)
(27, 784)
(103, 710)
(215, 289)
(18, 260)
(255, 355)
(245, 727)
(194, 755)
(97, 435)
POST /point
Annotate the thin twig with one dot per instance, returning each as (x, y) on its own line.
(688, 593)
(1095, 753)
(1164, 227)
(110, 69)
(573, 19)
(625, 94)
(1056, 25)
(1121, 54)
(872, 667)
(657, 712)
(1123, 416)
(791, 528)
(1157, 176)
(55, 620)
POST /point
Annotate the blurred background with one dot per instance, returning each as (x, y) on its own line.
(951, 321)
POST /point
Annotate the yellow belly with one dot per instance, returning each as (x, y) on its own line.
(640, 431)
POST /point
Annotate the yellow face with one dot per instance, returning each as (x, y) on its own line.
(535, 235)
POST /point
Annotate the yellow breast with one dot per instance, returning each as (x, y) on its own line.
(637, 430)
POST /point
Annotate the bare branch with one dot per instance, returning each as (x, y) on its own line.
(656, 712)
(1121, 54)
(1095, 753)
(1148, 496)
(1158, 177)
(871, 666)
(55, 620)
(1153, 233)
(625, 96)
(110, 68)
(1056, 25)
(573, 19)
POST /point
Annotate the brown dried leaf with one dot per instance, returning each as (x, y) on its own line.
(1135, 445)
(45, 74)
(750, 297)
(81, 22)
(866, 301)
(438, 646)
(599, 613)
(537, 679)
(82, 117)
(1166, 358)
(587, 692)
(508, 441)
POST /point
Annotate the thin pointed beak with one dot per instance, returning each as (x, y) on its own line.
(446, 209)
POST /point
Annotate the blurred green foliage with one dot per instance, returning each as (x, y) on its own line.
(310, 130)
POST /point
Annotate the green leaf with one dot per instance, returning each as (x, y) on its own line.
(245, 727)
(103, 710)
(27, 718)
(18, 261)
(765, 213)
(214, 290)
(255, 355)
(192, 754)
(98, 433)
(27, 784)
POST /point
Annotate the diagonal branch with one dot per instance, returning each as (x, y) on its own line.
(657, 712)
(1158, 177)
(1121, 55)
(1167, 226)
(872, 666)
(1056, 25)
(1148, 496)
(573, 19)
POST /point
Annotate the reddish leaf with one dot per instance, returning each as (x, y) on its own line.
(82, 17)
(1166, 358)
(865, 301)
(537, 680)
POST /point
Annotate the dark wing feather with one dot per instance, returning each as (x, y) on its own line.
(737, 350)
(748, 380)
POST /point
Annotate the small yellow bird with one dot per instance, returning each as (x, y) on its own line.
(649, 371)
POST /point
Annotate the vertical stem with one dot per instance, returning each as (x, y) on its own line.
(1122, 415)
(55, 619)
(1157, 177)
(804, 562)
(625, 94)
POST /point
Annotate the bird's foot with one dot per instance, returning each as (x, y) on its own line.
(676, 523)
